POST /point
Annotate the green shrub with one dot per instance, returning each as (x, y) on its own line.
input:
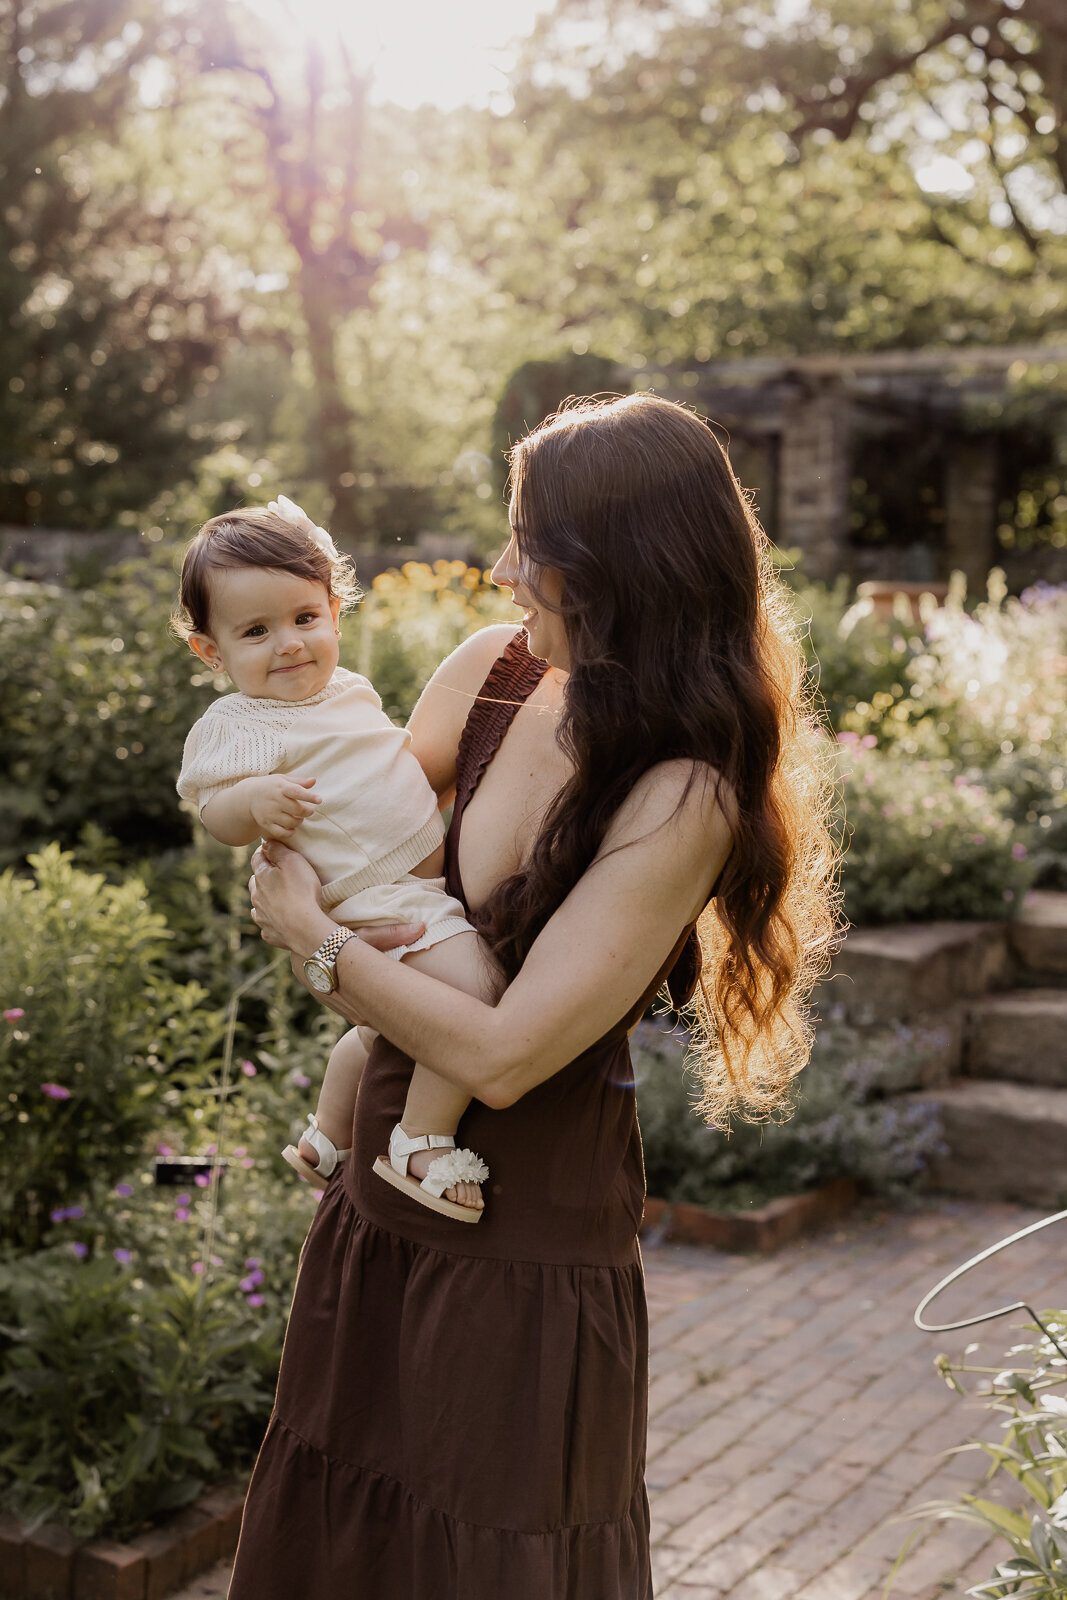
(843, 1124)
(924, 843)
(1030, 1456)
(128, 1383)
(90, 1030)
(98, 700)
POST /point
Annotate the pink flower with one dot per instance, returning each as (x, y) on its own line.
(869, 741)
(1019, 852)
(240, 1151)
(300, 1079)
(248, 1069)
(201, 1180)
(164, 1150)
(182, 1214)
(198, 1267)
(255, 1300)
(248, 1162)
(55, 1091)
(978, 838)
(14, 1014)
(848, 738)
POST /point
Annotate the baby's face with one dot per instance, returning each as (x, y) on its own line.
(274, 633)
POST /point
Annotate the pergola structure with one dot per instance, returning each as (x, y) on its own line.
(812, 435)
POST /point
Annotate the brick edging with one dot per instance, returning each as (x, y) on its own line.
(51, 1564)
(764, 1230)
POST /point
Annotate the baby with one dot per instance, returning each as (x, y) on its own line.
(304, 753)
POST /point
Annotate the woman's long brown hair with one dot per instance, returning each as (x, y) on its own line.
(682, 645)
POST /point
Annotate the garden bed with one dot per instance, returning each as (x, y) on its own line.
(49, 1563)
(763, 1230)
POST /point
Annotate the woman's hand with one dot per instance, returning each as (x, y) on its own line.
(285, 891)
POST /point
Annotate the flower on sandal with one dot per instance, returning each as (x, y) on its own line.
(458, 1166)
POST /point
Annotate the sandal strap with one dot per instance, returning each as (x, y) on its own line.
(401, 1147)
(323, 1146)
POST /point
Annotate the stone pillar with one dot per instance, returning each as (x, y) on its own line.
(814, 476)
(971, 510)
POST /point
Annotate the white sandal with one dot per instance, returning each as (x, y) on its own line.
(458, 1166)
(330, 1158)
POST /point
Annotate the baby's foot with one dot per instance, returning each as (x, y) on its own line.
(461, 1194)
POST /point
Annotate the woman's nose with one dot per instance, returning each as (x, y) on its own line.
(505, 573)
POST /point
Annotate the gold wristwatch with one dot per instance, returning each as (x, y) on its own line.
(320, 969)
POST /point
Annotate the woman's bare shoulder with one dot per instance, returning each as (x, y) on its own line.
(468, 666)
(690, 797)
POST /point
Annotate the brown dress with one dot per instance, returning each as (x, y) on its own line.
(461, 1409)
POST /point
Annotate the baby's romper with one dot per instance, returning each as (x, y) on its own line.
(377, 818)
(457, 1417)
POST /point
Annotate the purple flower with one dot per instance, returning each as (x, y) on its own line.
(1019, 852)
(55, 1091)
(248, 1162)
(124, 1189)
(164, 1150)
(182, 1200)
(14, 1014)
(240, 1151)
(122, 1255)
(300, 1079)
(201, 1180)
(255, 1300)
(182, 1214)
(247, 1285)
(248, 1069)
(256, 1277)
(253, 1261)
(198, 1267)
(211, 1149)
(79, 1249)
(978, 838)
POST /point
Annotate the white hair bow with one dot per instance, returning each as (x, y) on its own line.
(290, 512)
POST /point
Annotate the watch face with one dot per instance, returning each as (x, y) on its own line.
(318, 974)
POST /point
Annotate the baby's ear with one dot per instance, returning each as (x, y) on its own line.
(204, 646)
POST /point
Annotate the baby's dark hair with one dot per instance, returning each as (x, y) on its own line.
(255, 537)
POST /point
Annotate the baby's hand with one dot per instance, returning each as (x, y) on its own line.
(278, 805)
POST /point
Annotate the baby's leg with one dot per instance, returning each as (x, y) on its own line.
(434, 1105)
(337, 1097)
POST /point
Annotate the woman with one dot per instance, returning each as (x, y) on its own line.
(461, 1416)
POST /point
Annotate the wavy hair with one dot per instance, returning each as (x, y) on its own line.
(682, 645)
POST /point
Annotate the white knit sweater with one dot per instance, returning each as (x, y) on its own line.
(378, 816)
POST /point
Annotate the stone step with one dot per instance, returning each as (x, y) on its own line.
(1039, 938)
(914, 969)
(1006, 1141)
(1021, 1035)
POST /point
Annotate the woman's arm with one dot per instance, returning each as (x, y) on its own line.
(438, 719)
(600, 950)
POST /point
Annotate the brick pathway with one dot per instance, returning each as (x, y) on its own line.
(794, 1407)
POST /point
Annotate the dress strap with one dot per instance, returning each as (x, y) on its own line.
(511, 681)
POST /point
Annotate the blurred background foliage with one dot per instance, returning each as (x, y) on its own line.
(225, 269)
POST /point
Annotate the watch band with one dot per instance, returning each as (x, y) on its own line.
(330, 947)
